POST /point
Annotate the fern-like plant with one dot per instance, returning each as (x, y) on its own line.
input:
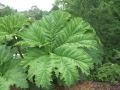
(56, 45)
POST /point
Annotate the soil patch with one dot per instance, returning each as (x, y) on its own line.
(91, 85)
(86, 85)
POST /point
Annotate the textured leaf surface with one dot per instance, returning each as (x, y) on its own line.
(5, 54)
(10, 71)
(96, 54)
(43, 32)
(10, 25)
(40, 66)
(32, 37)
(61, 48)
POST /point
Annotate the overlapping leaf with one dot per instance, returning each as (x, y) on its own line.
(5, 54)
(10, 71)
(96, 54)
(61, 48)
(10, 25)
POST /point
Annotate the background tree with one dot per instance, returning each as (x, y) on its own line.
(34, 13)
(6, 11)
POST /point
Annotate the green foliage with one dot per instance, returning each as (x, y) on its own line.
(108, 29)
(10, 70)
(96, 55)
(34, 13)
(3, 57)
(6, 11)
(57, 46)
(104, 17)
(55, 7)
(10, 26)
(108, 72)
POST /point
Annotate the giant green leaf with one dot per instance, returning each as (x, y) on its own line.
(10, 70)
(61, 49)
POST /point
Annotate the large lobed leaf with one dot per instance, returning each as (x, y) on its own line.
(61, 48)
(10, 25)
(10, 71)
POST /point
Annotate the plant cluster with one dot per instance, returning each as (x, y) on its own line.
(60, 48)
(56, 48)
(108, 72)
